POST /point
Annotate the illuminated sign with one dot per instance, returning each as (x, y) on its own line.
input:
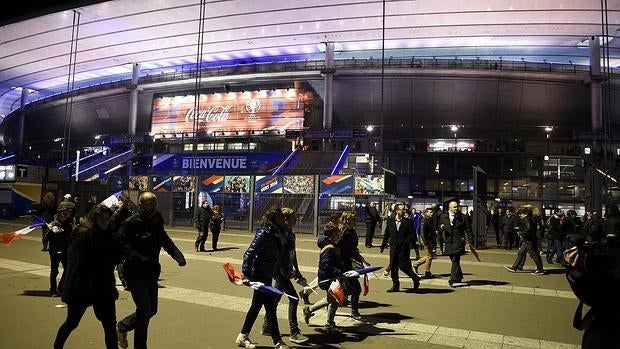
(212, 163)
(451, 145)
(263, 110)
(7, 172)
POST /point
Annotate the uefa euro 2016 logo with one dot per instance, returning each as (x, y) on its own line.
(252, 106)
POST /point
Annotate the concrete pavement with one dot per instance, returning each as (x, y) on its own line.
(199, 308)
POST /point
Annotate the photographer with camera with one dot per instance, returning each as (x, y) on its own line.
(593, 272)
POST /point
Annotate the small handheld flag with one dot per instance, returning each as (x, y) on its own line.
(236, 278)
(360, 271)
(9, 237)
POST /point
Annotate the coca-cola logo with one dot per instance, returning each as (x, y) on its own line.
(214, 114)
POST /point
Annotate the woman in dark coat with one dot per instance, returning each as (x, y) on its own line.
(90, 280)
(260, 262)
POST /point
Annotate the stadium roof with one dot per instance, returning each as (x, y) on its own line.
(161, 35)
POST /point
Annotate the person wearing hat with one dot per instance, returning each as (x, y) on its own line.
(59, 238)
(68, 201)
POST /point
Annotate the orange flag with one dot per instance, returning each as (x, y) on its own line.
(366, 284)
(233, 276)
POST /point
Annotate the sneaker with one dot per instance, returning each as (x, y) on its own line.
(510, 269)
(243, 341)
(386, 274)
(281, 345)
(428, 275)
(121, 337)
(298, 338)
(538, 272)
(307, 315)
(305, 297)
(355, 315)
(331, 327)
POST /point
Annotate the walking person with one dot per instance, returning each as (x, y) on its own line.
(400, 234)
(215, 224)
(528, 233)
(557, 234)
(304, 294)
(457, 232)
(203, 219)
(288, 269)
(429, 238)
(90, 280)
(59, 237)
(47, 211)
(351, 259)
(508, 224)
(142, 237)
(260, 261)
(122, 210)
(329, 270)
(372, 218)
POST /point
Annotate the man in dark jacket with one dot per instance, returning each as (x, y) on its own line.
(142, 237)
(527, 231)
(372, 218)
(203, 218)
(59, 238)
(508, 224)
(457, 231)
(400, 234)
(557, 233)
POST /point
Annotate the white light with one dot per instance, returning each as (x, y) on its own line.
(369, 128)
(546, 157)
(548, 128)
(454, 128)
(587, 150)
(323, 47)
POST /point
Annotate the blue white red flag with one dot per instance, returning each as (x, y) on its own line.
(112, 199)
(237, 278)
(9, 237)
(360, 271)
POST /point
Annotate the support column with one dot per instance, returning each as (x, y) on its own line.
(595, 84)
(328, 73)
(593, 183)
(133, 110)
(21, 125)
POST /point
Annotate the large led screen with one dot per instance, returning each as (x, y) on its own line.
(234, 111)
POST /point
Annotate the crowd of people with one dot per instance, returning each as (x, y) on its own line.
(129, 239)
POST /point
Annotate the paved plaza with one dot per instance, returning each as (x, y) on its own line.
(199, 308)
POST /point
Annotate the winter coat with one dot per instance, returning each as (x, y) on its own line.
(329, 261)
(261, 259)
(91, 259)
(456, 234)
(142, 239)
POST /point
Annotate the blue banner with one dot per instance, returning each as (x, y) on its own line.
(210, 163)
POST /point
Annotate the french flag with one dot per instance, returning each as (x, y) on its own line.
(9, 237)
